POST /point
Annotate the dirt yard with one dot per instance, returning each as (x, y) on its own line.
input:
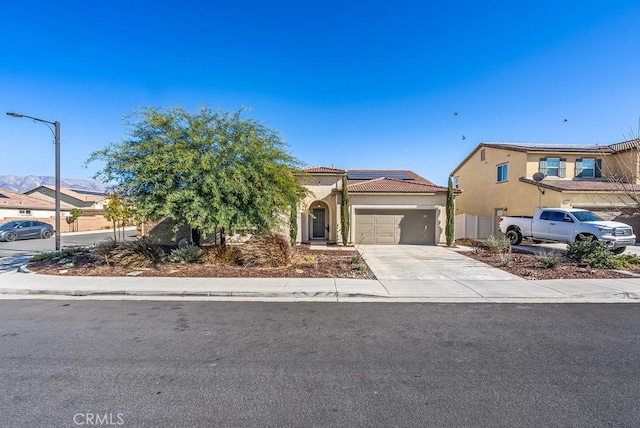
(340, 262)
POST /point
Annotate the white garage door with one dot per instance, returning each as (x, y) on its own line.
(378, 226)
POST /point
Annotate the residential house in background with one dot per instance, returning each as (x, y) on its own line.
(500, 178)
(17, 206)
(78, 198)
(386, 207)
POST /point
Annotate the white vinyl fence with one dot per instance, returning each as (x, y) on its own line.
(476, 227)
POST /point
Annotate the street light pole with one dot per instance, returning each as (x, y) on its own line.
(56, 133)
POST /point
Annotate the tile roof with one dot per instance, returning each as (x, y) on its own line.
(79, 194)
(393, 185)
(381, 184)
(323, 170)
(626, 145)
(584, 185)
(14, 200)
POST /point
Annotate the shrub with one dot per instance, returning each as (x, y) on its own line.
(106, 249)
(67, 253)
(500, 245)
(188, 254)
(228, 255)
(593, 252)
(141, 253)
(293, 224)
(311, 260)
(43, 256)
(626, 260)
(504, 260)
(549, 260)
(266, 251)
(356, 258)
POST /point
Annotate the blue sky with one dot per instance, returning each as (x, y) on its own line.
(355, 84)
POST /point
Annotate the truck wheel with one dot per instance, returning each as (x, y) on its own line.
(618, 250)
(515, 237)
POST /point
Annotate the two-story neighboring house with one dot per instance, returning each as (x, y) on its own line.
(500, 178)
(385, 206)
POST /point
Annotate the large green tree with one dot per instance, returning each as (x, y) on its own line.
(208, 169)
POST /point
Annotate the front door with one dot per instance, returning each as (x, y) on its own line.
(318, 230)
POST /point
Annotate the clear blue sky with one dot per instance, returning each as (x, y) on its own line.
(357, 84)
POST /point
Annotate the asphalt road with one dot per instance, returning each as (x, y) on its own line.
(31, 246)
(179, 364)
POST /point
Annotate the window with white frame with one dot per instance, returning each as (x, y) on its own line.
(554, 167)
(502, 172)
(588, 168)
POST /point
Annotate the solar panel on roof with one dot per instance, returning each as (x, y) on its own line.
(372, 175)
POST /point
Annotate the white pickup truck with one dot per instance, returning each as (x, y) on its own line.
(567, 225)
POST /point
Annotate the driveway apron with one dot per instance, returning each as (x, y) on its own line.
(426, 262)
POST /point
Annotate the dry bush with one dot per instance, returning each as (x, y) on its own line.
(106, 249)
(141, 253)
(228, 255)
(266, 251)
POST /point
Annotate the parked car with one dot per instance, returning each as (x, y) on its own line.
(567, 225)
(26, 229)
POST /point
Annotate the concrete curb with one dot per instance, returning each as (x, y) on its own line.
(24, 269)
(623, 297)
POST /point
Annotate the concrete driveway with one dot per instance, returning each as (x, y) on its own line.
(426, 262)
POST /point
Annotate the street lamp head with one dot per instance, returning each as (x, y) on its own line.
(14, 114)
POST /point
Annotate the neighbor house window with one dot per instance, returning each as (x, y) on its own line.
(456, 182)
(588, 168)
(503, 171)
(554, 167)
(482, 155)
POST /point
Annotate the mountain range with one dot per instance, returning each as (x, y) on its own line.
(18, 184)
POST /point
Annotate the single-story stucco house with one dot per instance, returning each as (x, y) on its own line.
(18, 206)
(386, 206)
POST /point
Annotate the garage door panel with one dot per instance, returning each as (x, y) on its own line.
(382, 220)
(367, 219)
(395, 226)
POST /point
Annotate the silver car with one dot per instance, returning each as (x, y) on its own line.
(26, 229)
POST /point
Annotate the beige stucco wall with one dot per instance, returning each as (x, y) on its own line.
(483, 195)
(321, 188)
(624, 165)
(84, 223)
(42, 215)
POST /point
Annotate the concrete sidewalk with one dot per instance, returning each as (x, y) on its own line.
(25, 285)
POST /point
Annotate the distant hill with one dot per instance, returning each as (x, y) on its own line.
(22, 184)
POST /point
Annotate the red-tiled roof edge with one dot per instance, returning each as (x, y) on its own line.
(430, 186)
(557, 185)
(625, 145)
(22, 201)
(322, 170)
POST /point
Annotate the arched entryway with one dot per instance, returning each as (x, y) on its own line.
(319, 220)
